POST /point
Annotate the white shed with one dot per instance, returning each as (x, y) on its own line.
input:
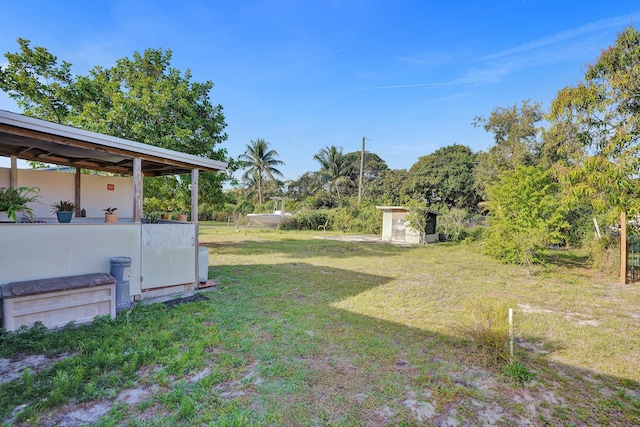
(396, 228)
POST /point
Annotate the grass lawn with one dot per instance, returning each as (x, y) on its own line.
(309, 332)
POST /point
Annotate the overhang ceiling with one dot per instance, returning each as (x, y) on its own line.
(41, 141)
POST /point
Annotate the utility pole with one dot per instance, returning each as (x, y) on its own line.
(361, 172)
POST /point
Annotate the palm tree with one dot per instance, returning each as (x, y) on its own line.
(250, 185)
(261, 162)
(334, 166)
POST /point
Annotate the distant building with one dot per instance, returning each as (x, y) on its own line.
(396, 228)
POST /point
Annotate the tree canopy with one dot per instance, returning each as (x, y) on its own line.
(141, 98)
(515, 136)
(603, 114)
(445, 177)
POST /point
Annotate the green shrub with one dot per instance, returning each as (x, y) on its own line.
(472, 234)
(604, 253)
(365, 219)
(308, 220)
(517, 371)
(486, 325)
(525, 215)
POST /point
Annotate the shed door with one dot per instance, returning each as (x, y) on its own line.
(397, 229)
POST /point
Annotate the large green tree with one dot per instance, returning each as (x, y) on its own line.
(516, 141)
(390, 187)
(261, 162)
(445, 177)
(603, 116)
(335, 168)
(141, 98)
(305, 186)
(39, 85)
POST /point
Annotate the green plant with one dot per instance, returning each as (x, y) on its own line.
(153, 218)
(604, 253)
(14, 200)
(517, 371)
(525, 215)
(109, 210)
(487, 326)
(63, 206)
(416, 218)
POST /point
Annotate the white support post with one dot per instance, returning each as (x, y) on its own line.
(511, 333)
(194, 221)
(137, 190)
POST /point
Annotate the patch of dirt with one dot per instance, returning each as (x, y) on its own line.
(421, 410)
(133, 396)
(233, 389)
(75, 414)
(581, 319)
(531, 346)
(11, 369)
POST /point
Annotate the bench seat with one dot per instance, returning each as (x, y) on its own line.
(57, 301)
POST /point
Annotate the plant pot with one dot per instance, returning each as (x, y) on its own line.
(111, 218)
(4, 217)
(64, 216)
(182, 217)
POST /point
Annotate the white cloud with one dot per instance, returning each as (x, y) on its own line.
(431, 59)
(617, 22)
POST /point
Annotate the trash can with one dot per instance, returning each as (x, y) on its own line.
(121, 271)
(203, 264)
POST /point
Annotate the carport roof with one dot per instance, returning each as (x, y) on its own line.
(38, 140)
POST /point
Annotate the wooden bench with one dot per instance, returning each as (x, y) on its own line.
(57, 301)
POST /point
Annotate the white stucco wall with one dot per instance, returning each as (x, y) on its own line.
(387, 218)
(56, 186)
(40, 251)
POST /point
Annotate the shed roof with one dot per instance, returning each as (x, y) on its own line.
(403, 208)
(42, 141)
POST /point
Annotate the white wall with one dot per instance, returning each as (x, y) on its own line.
(96, 197)
(4, 177)
(56, 186)
(40, 251)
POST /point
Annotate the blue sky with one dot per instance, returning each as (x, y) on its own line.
(410, 76)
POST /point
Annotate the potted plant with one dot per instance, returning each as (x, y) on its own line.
(64, 210)
(152, 218)
(182, 216)
(109, 216)
(14, 200)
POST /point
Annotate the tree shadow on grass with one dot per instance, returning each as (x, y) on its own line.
(565, 258)
(299, 248)
(309, 306)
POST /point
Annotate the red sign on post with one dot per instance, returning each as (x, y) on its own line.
(111, 187)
